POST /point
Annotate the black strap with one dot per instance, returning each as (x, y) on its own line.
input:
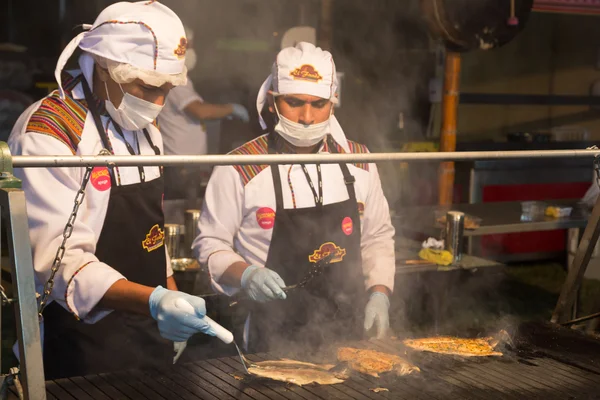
(91, 103)
(349, 179)
(319, 197)
(275, 174)
(104, 137)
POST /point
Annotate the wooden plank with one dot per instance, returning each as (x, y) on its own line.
(200, 389)
(106, 388)
(72, 389)
(123, 387)
(89, 388)
(139, 386)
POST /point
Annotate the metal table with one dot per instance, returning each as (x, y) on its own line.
(407, 249)
(497, 218)
(541, 367)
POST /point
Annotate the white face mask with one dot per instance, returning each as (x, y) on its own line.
(133, 113)
(190, 59)
(301, 135)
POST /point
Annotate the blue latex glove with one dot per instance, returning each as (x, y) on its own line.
(240, 112)
(262, 284)
(377, 312)
(174, 323)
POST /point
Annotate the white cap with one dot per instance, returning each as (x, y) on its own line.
(303, 69)
(146, 35)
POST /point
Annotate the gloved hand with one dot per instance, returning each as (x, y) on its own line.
(174, 323)
(377, 311)
(240, 112)
(262, 284)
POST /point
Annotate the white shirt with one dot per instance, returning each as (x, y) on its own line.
(181, 133)
(82, 279)
(233, 226)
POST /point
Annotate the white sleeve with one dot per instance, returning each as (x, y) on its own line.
(182, 96)
(377, 239)
(219, 222)
(82, 280)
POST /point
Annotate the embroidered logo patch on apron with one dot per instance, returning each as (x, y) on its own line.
(325, 250)
(100, 178)
(265, 217)
(154, 239)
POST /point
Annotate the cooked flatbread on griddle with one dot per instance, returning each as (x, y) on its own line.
(479, 347)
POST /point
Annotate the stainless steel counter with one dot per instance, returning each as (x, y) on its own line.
(407, 249)
(496, 218)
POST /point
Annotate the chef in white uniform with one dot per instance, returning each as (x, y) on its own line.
(182, 119)
(114, 302)
(262, 228)
(182, 124)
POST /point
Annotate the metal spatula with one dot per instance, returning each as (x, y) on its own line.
(223, 334)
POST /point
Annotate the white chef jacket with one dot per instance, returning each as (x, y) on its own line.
(232, 226)
(181, 133)
(53, 126)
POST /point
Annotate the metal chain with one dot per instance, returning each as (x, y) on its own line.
(10, 380)
(67, 231)
(3, 297)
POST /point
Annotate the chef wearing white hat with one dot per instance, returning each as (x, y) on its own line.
(114, 300)
(262, 227)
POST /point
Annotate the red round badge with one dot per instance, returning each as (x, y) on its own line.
(265, 217)
(100, 178)
(347, 226)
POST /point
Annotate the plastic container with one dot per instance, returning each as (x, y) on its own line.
(532, 210)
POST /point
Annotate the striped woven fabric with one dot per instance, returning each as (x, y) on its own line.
(61, 119)
(260, 145)
(355, 148)
(257, 146)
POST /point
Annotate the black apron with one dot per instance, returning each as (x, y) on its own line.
(131, 242)
(331, 306)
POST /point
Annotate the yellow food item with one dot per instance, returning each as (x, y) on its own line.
(439, 257)
(371, 362)
(296, 372)
(457, 346)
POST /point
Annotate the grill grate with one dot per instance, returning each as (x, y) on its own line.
(527, 373)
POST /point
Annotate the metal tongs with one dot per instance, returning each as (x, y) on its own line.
(314, 270)
(223, 334)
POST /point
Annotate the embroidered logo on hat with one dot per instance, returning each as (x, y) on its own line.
(181, 48)
(154, 239)
(306, 73)
(325, 250)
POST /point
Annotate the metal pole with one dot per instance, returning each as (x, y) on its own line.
(132, 161)
(325, 34)
(12, 202)
(576, 272)
(449, 124)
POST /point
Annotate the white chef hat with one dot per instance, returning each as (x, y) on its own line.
(144, 40)
(303, 69)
